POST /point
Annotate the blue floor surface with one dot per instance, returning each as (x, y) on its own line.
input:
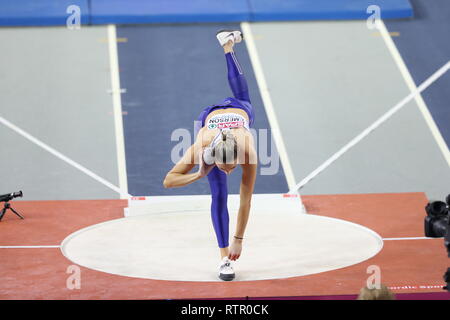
(425, 47)
(170, 74)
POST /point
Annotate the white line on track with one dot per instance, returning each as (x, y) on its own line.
(412, 238)
(117, 106)
(60, 155)
(123, 187)
(268, 105)
(28, 247)
(439, 73)
(412, 87)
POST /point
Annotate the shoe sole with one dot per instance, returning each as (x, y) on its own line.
(226, 277)
(225, 30)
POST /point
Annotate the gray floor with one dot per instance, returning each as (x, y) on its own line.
(332, 83)
(54, 85)
(328, 82)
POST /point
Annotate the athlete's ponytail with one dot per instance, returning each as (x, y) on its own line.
(226, 149)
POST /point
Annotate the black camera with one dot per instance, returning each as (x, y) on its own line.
(437, 219)
(447, 280)
(9, 196)
(437, 225)
(6, 198)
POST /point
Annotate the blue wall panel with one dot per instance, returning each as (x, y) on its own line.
(40, 12)
(268, 10)
(168, 11)
(53, 12)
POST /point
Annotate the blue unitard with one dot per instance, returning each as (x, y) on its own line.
(218, 179)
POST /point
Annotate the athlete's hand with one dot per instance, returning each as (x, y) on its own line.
(203, 168)
(235, 250)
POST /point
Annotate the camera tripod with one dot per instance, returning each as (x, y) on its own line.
(6, 207)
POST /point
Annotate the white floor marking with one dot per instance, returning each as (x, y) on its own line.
(412, 87)
(27, 247)
(60, 155)
(261, 202)
(39, 247)
(300, 251)
(411, 238)
(268, 105)
(439, 73)
(116, 92)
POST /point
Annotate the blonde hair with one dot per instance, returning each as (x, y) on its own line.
(376, 294)
(225, 150)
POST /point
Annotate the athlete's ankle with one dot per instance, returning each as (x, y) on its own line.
(228, 47)
(224, 252)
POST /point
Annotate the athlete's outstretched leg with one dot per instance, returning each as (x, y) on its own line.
(236, 77)
(219, 209)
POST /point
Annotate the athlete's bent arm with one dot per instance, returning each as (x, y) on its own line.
(179, 175)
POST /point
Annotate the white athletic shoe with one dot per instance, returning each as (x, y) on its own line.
(226, 272)
(226, 35)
